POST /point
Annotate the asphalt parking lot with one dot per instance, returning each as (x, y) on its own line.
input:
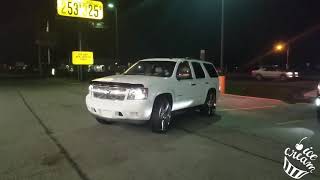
(47, 133)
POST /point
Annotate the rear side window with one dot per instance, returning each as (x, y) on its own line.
(198, 70)
(211, 70)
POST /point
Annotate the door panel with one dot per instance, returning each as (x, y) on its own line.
(200, 81)
(185, 87)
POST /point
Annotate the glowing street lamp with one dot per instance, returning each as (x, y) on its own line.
(111, 5)
(280, 47)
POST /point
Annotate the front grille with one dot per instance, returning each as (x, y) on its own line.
(108, 96)
(107, 92)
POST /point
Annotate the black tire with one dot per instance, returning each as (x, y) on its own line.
(283, 77)
(209, 107)
(161, 115)
(259, 77)
(103, 121)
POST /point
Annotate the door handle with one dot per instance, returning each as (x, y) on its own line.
(193, 84)
(207, 82)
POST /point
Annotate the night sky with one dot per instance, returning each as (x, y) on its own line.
(170, 28)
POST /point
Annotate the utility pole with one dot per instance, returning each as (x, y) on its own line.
(117, 34)
(49, 53)
(288, 56)
(39, 60)
(222, 36)
(115, 8)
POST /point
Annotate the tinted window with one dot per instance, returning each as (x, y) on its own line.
(184, 71)
(211, 70)
(198, 70)
(152, 68)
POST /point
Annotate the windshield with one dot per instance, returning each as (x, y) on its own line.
(152, 68)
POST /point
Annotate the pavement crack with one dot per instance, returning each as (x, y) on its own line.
(49, 133)
(226, 144)
(233, 147)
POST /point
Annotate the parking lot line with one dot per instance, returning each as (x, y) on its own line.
(289, 122)
(248, 108)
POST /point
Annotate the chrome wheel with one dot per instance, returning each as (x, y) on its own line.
(209, 108)
(211, 104)
(259, 77)
(283, 78)
(161, 115)
(165, 116)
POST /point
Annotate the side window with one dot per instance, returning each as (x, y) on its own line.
(198, 70)
(211, 70)
(184, 71)
(270, 69)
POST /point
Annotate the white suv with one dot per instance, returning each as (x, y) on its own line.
(152, 89)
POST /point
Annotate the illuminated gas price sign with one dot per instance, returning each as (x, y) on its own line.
(80, 8)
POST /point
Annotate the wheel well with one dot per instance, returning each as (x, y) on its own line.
(213, 90)
(167, 95)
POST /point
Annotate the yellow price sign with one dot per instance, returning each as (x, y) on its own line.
(82, 58)
(80, 8)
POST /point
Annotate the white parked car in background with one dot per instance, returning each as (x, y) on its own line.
(152, 89)
(273, 73)
(318, 102)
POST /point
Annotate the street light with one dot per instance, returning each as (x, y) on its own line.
(280, 47)
(112, 6)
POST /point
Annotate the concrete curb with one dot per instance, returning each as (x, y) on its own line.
(257, 98)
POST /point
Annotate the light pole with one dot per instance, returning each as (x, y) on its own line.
(222, 36)
(112, 6)
(288, 55)
(280, 48)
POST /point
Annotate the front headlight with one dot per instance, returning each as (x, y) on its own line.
(138, 94)
(317, 102)
(90, 89)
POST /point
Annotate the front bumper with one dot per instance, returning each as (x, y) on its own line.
(132, 110)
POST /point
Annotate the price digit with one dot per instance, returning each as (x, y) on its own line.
(76, 8)
(90, 10)
(96, 10)
(69, 8)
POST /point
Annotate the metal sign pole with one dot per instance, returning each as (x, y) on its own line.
(80, 49)
(39, 61)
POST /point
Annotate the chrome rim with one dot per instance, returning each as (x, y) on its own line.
(211, 104)
(165, 116)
